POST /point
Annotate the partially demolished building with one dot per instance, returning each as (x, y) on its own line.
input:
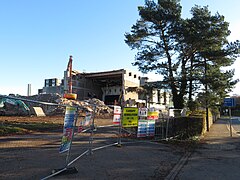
(110, 87)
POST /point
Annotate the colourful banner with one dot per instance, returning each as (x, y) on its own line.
(130, 117)
(68, 128)
(152, 115)
(87, 119)
(117, 114)
(85, 122)
(142, 128)
(150, 127)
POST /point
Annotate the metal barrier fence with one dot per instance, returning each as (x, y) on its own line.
(162, 130)
(87, 127)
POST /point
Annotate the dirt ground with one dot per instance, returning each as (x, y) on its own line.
(34, 156)
(48, 119)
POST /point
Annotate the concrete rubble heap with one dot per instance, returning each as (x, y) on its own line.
(88, 105)
(12, 110)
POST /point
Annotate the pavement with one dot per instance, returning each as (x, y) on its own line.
(216, 157)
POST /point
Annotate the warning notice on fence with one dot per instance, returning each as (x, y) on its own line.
(150, 127)
(87, 119)
(85, 122)
(142, 128)
(152, 115)
(142, 112)
(117, 115)
(130, 117)
(68, 129)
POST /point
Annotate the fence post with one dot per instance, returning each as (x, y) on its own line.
(230, 120)
(92, 127)
(162, 124)
(167, 124)
(119, 143)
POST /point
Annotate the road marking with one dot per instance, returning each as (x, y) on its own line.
(176, 169)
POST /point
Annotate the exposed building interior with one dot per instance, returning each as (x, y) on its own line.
(112, 87)
(107, 86)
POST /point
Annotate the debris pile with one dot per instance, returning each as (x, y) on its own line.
(9, 109)
(13, 107)
(101, 110)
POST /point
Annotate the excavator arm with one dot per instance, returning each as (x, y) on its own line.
(69, 94)
(69, 70)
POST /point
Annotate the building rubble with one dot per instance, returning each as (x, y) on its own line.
(84, 106)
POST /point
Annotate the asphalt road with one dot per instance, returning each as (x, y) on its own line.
(34, 156)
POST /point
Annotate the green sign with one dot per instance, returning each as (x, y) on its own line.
(130, 117)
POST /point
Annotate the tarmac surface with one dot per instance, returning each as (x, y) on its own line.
(35, 156)
(217, 156)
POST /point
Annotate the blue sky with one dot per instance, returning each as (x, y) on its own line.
(37, 37)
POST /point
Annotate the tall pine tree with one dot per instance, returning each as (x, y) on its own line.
(189, 53)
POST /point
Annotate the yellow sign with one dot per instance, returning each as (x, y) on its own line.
(152, 115)
(130, 117)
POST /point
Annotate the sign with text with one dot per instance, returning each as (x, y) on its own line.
(87, 119)
(117, 114)
(152, 115)
(229, 102)
(142, 112)
(85, 122)
(142, 128)
(130, 117)
(150, 127)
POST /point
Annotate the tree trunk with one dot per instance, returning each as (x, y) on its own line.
(178, 102)
(190, 80)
